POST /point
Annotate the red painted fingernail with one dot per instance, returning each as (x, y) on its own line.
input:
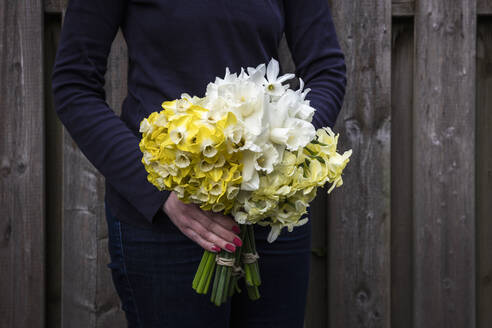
(230, 247)
(236, 229)
(216, 248)
(237, 242)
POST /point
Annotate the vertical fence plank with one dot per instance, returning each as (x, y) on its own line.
(484, 173)
(444, 152)
(88, 297)
(359, 232)
(81, 204)
(401, 174)
(21, 165)
(54, 169)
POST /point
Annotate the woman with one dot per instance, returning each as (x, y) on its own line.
(155, 240)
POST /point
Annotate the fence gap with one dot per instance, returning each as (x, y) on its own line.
(53, 173)
(401, 172)
(484, 172)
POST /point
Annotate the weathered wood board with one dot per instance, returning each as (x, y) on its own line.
(22, 225)
(359, 231)
(89, 298)
(443, 163)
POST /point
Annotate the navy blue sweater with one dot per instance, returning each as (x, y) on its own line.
(175, 47)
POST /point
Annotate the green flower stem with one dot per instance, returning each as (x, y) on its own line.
(247, 274)
(222, 281)
(206, 274)
(247, 249)
(253, 293)
(255, 268)
(218, 272)
(227, 283)
(252, 273)
(199, 271)
(209, 276)
(233, 286)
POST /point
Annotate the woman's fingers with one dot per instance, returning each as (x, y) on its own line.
(211, 237)
(209, 230)
(212, 231)
(225, 221)
(193, 235)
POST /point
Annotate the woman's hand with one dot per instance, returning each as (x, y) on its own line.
(210, 230)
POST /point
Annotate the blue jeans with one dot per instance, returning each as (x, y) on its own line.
(152, 272)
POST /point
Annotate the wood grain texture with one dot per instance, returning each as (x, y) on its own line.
(403, 8)
(89, 298)
(359, 232)
(55, 6)
(484, 7)
(21, 165)
(484, 173)
(444, 173)
(401, 174)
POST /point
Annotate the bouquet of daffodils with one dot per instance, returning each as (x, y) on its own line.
(247, 149)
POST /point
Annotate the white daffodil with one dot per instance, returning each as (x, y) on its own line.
(201, 196)
(180, 191)
(145, 126)
(178, 134)
(181, 105)
(273, 84)
(205, 166)
(234, 133)
(161, 120)
(193, 100)
(300, 133)
(172, 169)
(251, 179)
(257, 75)
(161, 169)
(220, 161)
(240, 217)
(147, 157)
(181, 160)
(266, 159)
(208, 148)
(218, 207)
(210, 117)
(301, 91)
(304, 112)
(232, 192)
(279, 110)
(275, 229)
(216, 188)
(279, 135)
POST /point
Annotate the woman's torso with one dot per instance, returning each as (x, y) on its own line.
(180, 46)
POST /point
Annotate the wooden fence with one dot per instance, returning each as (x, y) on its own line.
(406, 243)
